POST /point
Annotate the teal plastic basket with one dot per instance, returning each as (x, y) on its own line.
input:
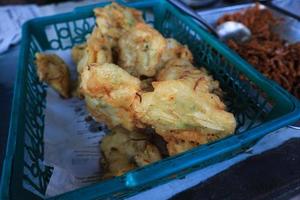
(260, 106)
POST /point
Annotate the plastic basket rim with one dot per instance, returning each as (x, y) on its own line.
(272, 125)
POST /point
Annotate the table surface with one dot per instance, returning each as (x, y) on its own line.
(229, 184)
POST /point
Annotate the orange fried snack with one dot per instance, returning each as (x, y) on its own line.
(197, 78)
(140, 50)
(113, 20)
(176, 50)
(98, 50)
(109, 92)
(123, 150)
(154, 84)
(182, 114)
(54, 71)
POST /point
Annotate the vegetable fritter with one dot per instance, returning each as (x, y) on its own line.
(123, 150)
(111, 91)
(176, 50)
(197, 78)
(113, 20)
(54, 71)
(98, 50)
(140, 50)
(175, 106)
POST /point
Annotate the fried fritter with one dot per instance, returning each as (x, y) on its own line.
(166, 108)
(116, 164)
(98, 50)
(111, 82)
(140, 50)
(175, 106)
(113, 20)
(180, 141)
(149, 155)
(55, 72)
(78, 52)
(176, 50)
(197, 78)
(105, 112)
(170, 95)
(124, 150)
(176, 146)
(192, 136)
(111, 92)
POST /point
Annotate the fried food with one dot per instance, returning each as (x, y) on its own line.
(175, 146)
(197, 78)
(98, 50)
(116, 164)
(167, 111)
(110, 92)
(123, 150)
(113, 20)
(78, 52)
(176, 50)
(177, 69)
(181, 141)
(154, 85)
(54, 71)
(112, 116)
(149, 155)
(140, 50)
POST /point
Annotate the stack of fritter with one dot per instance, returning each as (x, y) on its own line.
(133, 78)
